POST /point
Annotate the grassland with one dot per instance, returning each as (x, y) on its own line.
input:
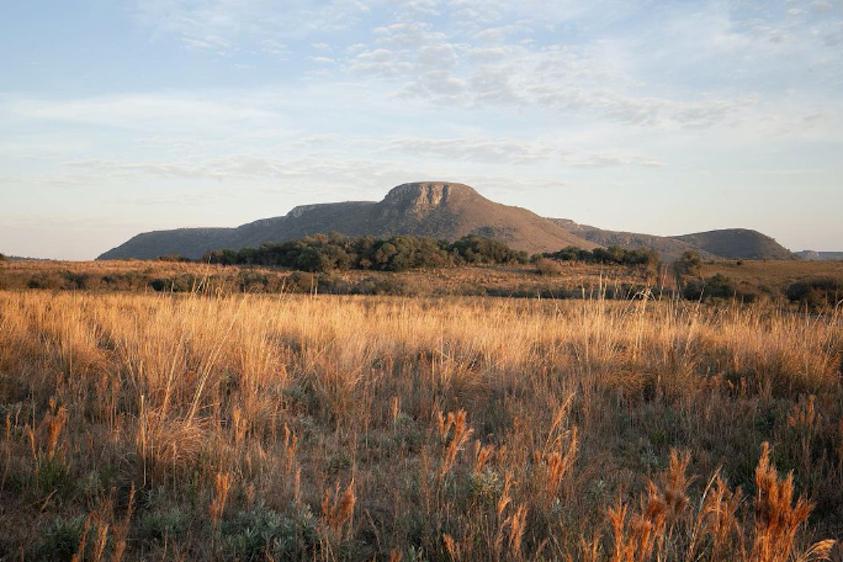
(248, 427)
(572, 279)
(765, 280)
(774, 275)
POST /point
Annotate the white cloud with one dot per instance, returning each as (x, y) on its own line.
(514, 152)
(142, 111)
(225, 25)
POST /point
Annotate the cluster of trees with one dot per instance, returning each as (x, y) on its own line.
(612, 255)
(336, 252)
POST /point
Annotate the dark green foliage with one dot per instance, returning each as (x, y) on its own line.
(163, 525)
(179, 284)
(721, 287)
(322, 253)
(716, 287)
(60, 539)
(401, 253)
(688, 264)
(174, 258)
(816, 293)
(612, 255)
(477, 249)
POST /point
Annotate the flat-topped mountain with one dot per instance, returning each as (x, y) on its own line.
(446, 211)
(436, 209)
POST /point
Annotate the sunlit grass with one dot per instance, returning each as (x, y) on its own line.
(356, 428)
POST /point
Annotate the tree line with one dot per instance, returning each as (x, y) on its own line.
(335, 252)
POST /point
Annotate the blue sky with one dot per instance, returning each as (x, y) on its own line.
(659, 117)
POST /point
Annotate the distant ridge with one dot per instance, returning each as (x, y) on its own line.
(732, 243)
(670, 249)
(738, 243)
(441, 210)
(811, 255)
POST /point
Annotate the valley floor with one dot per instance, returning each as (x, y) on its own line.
(287, 427)
(763, 280)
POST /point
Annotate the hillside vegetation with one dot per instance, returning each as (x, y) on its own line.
(399, 253)
(150, 427)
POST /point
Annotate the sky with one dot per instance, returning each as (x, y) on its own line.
(658, 117)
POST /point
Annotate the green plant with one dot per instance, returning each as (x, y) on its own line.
(689, 264)
(816, 293)
(251, 534)
(60, 539)
(160, 525)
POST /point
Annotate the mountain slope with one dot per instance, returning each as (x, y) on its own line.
(435, 209)
(734, 243)
(738, 243)
(811, 255)
(669, 249)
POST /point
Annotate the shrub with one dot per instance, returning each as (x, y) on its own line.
(406, 252)
(174, 258)
(178, 284)
(546, 266)
(253, 534)
(477, 249)
(163, 525)
(612, 255)
(816, 293)
(717, 287)
(688, 264)
(61, 538)
(301, 282)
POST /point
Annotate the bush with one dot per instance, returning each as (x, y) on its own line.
(718, 286)
(61, 539)
(174, 258)
(300, 282)
(253, 534)
(163, 525)
(688, 264)
(612, 255)
(179, 284)
(479, 250)
(816, 293)
(546, 266)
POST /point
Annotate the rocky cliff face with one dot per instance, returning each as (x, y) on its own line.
(421, 199)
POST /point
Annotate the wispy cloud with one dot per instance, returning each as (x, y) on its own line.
(145, 111)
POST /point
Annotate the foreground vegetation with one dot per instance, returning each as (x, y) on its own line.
(184, 427)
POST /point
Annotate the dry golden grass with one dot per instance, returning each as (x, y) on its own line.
(572, 279)
(774, 274)
(161, 427)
